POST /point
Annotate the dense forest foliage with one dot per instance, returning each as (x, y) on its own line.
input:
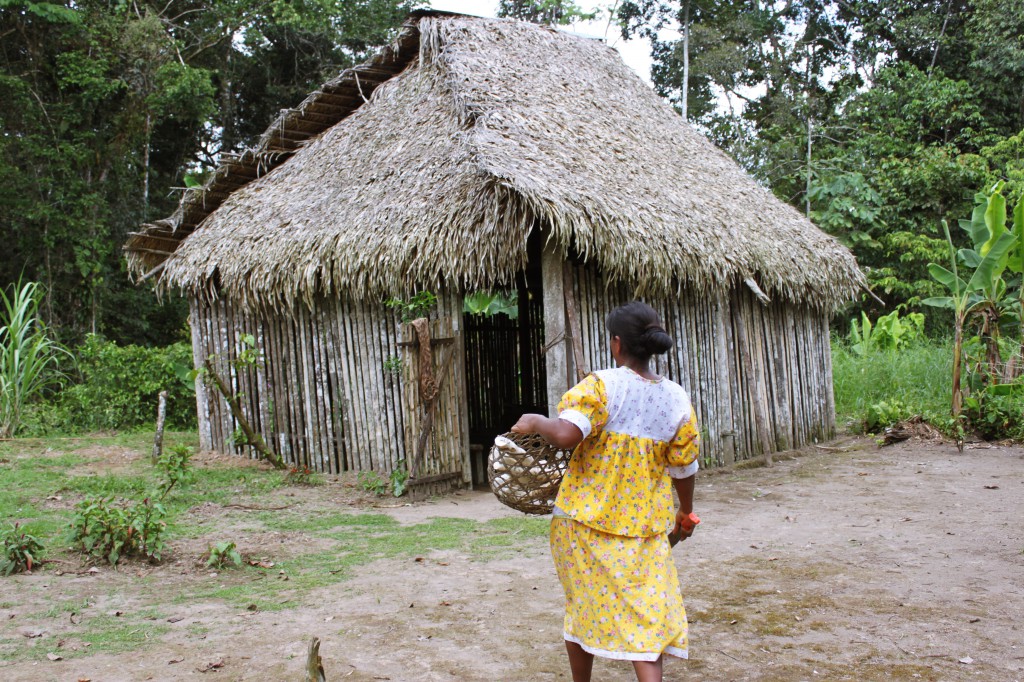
(877, 119)
(108, 107)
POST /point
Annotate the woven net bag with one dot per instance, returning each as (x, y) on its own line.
(527, 481)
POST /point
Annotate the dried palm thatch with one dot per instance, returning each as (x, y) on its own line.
(491, 128)
(526, 479)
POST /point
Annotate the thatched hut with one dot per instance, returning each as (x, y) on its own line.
(481, 154)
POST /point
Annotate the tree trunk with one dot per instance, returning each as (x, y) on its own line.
(686, 59)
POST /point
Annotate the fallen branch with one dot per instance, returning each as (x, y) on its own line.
(251, 436)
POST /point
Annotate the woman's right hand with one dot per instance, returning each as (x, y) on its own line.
(528, 423)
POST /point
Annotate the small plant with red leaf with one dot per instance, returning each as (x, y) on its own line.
(20, 551)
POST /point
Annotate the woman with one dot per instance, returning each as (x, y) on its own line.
(635, 435)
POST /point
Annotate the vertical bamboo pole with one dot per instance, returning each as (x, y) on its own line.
(556, 357)
(200, 332)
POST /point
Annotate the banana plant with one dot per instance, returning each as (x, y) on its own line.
(984, 295)
(1015, 263)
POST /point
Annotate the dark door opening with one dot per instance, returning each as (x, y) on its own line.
(505, 370)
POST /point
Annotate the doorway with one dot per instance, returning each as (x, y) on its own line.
(505, 369)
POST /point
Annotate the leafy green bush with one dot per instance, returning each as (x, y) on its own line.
(875, 390)
(889, 332)
(111, 531)
(396, 483)
(371, 482)
(118, 387)
(175, 465)
(399, 479)
(20, 551)
(883, 414)
(994, 415)
(303, 476)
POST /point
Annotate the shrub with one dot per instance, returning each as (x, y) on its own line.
(889, 332)
(399, 479)
(371, 482)
(175, 465)
(118, 387)
(20, 550)
(995, 416)
(112, 531)
(883, 414)
(302, 476)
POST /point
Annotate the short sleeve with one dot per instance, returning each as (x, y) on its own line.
(585, 405)
(684, 448)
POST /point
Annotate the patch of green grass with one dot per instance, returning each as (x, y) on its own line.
(111, 634)
(298, 522)
(72, 606)
(110, 485)
(919, 377)
(359, 540)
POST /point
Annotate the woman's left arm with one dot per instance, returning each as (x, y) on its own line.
(559, 432)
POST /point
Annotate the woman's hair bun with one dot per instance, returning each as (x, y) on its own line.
(657, 341)
(639, 327)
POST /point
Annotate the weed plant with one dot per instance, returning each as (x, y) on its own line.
(19, 551)
(224, 555)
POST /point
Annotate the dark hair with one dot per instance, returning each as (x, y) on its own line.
(639, 327)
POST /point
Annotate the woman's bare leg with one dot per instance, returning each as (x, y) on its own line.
(648, 671)
(580, 662)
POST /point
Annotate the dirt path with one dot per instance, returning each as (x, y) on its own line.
(846, 563)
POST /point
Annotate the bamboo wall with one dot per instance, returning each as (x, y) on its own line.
(786, 371)
(322, 396)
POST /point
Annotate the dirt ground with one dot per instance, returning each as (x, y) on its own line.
(844, 562)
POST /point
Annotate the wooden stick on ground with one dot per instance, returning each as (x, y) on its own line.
(314, 664)
(252, 438)
(161, 415)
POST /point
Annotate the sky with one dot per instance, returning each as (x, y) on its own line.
(636, 53)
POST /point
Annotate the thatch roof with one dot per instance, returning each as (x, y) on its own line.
(476, 132)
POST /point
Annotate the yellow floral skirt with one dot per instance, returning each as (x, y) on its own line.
(622, 597)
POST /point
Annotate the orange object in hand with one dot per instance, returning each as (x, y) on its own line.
(686, 527)
(690, 521)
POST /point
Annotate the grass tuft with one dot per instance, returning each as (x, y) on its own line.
(918, 377)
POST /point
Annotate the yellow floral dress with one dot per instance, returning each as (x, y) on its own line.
(613, 513)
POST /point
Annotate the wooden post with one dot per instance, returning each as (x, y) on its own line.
(555, 341)
(161, 414)
(200, 330)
